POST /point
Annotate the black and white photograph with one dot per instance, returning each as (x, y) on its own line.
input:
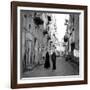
(49, 44)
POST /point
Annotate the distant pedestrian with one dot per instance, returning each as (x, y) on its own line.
(53, 58)
(72, 47)
(47, 61)
(43, 54)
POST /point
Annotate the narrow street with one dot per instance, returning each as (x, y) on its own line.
(42, 33)
(63, 68)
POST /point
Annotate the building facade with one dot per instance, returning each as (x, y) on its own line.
(73, 33)
(36, 37)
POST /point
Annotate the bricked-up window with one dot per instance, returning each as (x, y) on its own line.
(29, 26)
(49, 18)
(25, 16)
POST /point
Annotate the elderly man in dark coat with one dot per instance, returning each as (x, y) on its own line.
(53, 58)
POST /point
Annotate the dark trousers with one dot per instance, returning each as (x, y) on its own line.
(54, 64)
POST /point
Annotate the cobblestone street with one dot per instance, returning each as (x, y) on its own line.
(62, 68)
